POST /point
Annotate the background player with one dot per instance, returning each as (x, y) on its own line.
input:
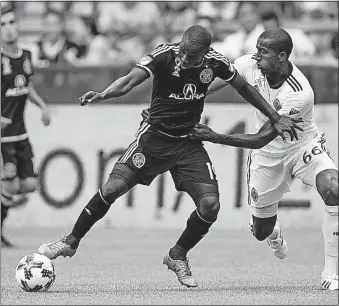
(272, 168)
(16, 86)
(182, 73)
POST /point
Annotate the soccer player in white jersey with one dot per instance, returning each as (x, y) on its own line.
(272, 167)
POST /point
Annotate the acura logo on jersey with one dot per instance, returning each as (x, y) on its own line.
(189, 93)
(20, 81)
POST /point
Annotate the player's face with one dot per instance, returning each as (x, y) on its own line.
(267, 59)
(190, 56)
(52, 26)
(9, 28)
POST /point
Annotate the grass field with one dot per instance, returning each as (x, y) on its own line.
(124, 266)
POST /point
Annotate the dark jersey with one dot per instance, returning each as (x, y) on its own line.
(178, 94)
(16, 71)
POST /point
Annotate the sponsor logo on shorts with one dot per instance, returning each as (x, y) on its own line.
(254, 194)
(335, 233)
(138, 160)
(277, 105)
(206, 75)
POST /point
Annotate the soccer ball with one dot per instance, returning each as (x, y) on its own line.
(35, 272)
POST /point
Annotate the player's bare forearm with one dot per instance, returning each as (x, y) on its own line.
(118, 88)
(34, 96)
(248, 141)
(251, 95)
(125, 84)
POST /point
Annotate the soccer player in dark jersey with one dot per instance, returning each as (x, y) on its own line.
(18, 173)
(182, 74)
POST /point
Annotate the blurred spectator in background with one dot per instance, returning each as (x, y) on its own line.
(54, 45)
(303, 47)
(125, 23)
(241, 42)
(95, 46)
(176, 17)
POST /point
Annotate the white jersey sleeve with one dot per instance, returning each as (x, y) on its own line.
(244, 65)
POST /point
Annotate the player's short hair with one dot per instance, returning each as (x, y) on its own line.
(281, 41)
(7, 8)
(198, 36)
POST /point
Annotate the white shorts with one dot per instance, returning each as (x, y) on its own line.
(269, 178)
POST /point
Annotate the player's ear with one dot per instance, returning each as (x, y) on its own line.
(282, 56)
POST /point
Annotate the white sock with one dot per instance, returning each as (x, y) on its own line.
(330, 234)
(276, 231)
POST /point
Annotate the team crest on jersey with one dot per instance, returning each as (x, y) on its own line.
(27, 66)
(277, 104)
(138, 160)
(7, 68)
(176, 71)
(145, 60)
(206, 75)
(254, 194)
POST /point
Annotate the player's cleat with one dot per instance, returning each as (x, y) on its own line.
(182, 269)
(278, 246)
(65, 246)
(329, 282)
(5, 243)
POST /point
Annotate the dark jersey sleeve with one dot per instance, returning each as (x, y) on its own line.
(223, 67)
(153, 61)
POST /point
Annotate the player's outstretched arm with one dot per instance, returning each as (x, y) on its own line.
(118, 88)
(281, 123)
(249, 141)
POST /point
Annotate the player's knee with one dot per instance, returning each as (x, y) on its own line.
(327, 186)
(29, 184)
(208, 207)
(263, 227)
(120, 181)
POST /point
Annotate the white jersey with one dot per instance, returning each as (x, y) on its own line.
(294, 98)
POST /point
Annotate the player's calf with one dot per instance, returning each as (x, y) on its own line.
(29, 184)
(262, 228)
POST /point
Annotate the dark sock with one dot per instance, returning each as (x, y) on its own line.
(93, 212)
(4, 213)
(195, 230)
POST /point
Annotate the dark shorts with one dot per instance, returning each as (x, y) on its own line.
(17, 159)
(152, 153)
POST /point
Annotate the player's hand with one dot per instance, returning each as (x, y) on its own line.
(289, 125)
(90, 97)
(46, 116)
(202, 132)
(5, 121)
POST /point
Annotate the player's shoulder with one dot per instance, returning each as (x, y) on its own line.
(297, 83)
(216, 56)
(165, 49)
(246, 60)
